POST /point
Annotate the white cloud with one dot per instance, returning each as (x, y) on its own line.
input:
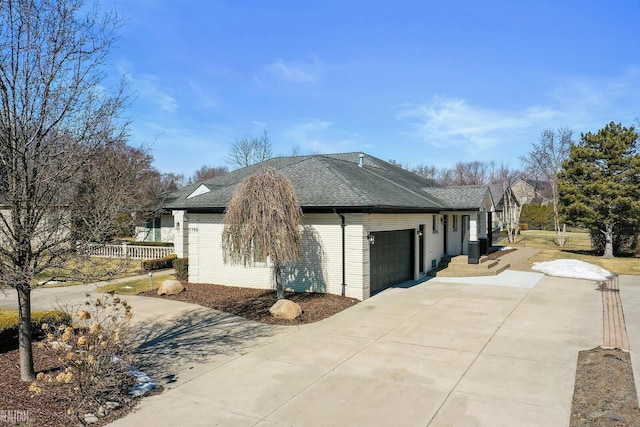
(446, 122)
(589, 103)
(320, 136)
(203, 97)
(297, 71)
(148, 89)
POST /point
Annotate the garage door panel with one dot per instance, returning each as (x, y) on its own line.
(391, 259)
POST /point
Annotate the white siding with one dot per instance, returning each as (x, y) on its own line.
(320, 265)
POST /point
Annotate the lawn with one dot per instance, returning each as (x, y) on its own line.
(81, 270)
(578, 247)
(134, 287)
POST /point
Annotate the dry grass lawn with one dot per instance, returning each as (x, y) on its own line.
(578, 247)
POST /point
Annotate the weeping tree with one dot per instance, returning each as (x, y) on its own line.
(54, 113)
(263, 221)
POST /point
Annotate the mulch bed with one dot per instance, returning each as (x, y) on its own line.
(254, 304)
(46, 409)
(605, 392)
(498, 254)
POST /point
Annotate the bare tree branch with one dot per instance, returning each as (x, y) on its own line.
(248, 151)
(545, 161)
(54, 115)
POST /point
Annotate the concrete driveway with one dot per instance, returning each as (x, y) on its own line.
(495, 352)
(498, 351)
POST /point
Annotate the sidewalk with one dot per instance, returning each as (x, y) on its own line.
(46, 298)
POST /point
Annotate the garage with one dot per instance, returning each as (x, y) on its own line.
(391, 257)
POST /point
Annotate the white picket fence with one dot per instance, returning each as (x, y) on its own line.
(125, 251)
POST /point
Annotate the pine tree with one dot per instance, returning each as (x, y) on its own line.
(599, 186)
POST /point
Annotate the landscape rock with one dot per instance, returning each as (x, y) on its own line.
(90, 418)
(285, 309)
(103, 411)
(170, 287)
(112, 405)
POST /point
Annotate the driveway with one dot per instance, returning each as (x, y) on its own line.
(498, 351)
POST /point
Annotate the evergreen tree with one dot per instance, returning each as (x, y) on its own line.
(599, 186)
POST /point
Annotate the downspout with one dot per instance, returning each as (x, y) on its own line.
(342, 225)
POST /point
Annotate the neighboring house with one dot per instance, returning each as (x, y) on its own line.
(158, 229)
(367, 225)
(531, 191)
(507, 207)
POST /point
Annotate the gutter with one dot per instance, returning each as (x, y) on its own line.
(343, 226)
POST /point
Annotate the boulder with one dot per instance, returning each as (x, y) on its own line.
(170, 287)
(90, 418)
(285, 309)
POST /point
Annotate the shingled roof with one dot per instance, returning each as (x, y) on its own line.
(334, 181)
(466, 197)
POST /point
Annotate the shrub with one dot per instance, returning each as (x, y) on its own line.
(153, 244)
(537, 217)
(181, 265)
(94, 355)
(159, 263)
(9, 322)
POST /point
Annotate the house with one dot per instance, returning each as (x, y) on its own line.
(531, 191)
(367, 225)
(507, 207)
(157, 229)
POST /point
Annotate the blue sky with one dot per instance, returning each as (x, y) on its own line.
(420, 82)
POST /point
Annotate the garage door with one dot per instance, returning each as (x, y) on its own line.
(391, 259)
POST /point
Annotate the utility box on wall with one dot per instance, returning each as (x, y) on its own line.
(474, 252)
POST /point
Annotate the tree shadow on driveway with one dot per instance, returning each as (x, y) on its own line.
(168, 347)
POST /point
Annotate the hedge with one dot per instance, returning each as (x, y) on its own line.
(181, 265)
(159, 263)
(9, 322)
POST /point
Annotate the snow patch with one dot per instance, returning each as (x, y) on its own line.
(574, 269)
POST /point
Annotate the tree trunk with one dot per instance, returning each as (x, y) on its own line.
(25, 333)
(559, 228)
(608, 242)
(277, 271)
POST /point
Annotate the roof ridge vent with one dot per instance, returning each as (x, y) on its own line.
(361, 160)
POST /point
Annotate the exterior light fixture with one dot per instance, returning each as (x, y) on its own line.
(371, 238)
(419, 233)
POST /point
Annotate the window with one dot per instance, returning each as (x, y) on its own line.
(454, 221)
(435, 224)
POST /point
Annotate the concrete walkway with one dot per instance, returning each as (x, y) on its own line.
(438, 353)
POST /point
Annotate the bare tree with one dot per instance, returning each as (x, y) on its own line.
(465, 173)
(545, 160)
(263, 217)
(171, 181)
(54, 114)
(504, 177)
(118, 185)
(502, 173)
(248, 150)
(208, 172)
(427, 171)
